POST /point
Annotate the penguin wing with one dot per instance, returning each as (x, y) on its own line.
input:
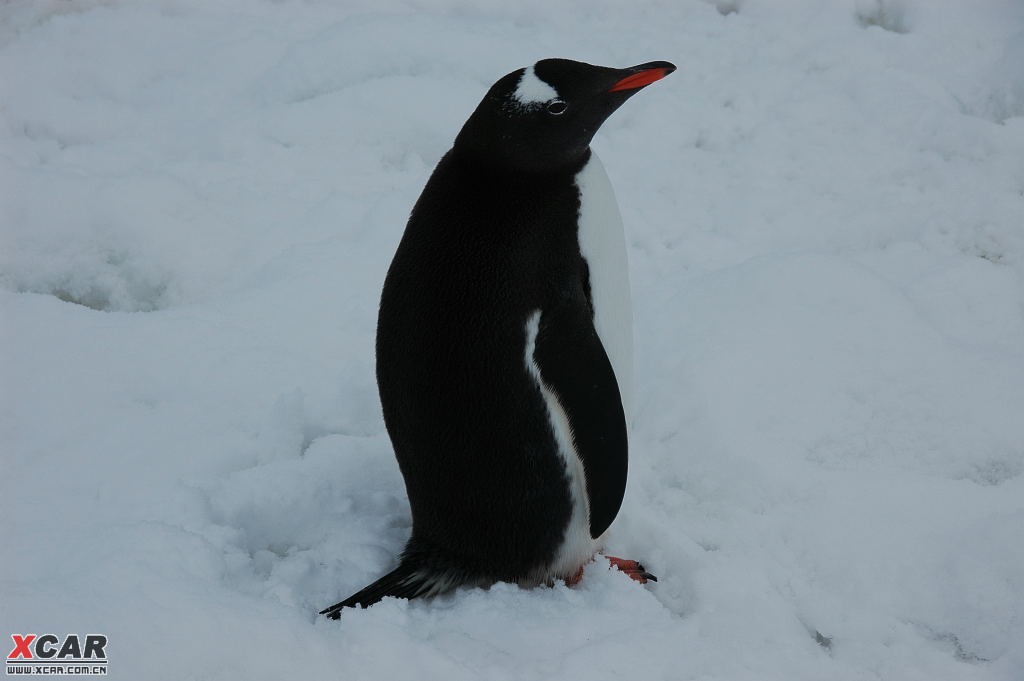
(573, 364)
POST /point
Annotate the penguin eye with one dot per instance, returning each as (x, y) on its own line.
(556, 107)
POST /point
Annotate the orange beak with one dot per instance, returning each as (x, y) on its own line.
(640, 79)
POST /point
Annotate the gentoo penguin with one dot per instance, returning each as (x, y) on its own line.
(504, 342)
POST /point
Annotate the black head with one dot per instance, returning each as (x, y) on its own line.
(542, 118)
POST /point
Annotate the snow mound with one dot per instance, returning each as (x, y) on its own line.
(889, 15)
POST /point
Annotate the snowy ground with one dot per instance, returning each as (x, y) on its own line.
(826, 211)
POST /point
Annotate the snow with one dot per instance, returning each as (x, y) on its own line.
(824, 210)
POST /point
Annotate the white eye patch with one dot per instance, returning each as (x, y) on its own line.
(532, 90)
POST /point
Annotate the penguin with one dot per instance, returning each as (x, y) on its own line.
(504, 342)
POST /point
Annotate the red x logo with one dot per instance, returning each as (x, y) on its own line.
(21, 646)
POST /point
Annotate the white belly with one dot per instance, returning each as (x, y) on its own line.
(603, 244)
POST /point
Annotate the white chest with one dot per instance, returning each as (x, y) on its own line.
(603, 245)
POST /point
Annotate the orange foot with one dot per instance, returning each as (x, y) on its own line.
(632, 568)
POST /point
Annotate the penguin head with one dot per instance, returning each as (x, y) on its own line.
(543, 117)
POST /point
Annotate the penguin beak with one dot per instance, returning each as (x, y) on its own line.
(643, 75)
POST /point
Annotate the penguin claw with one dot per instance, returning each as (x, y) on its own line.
(633, 569)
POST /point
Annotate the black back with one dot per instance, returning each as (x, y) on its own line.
(480, 253)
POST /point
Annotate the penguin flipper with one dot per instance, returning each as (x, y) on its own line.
(405, 581)
(573, 363)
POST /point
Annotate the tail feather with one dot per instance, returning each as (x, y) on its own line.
(405, 581)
